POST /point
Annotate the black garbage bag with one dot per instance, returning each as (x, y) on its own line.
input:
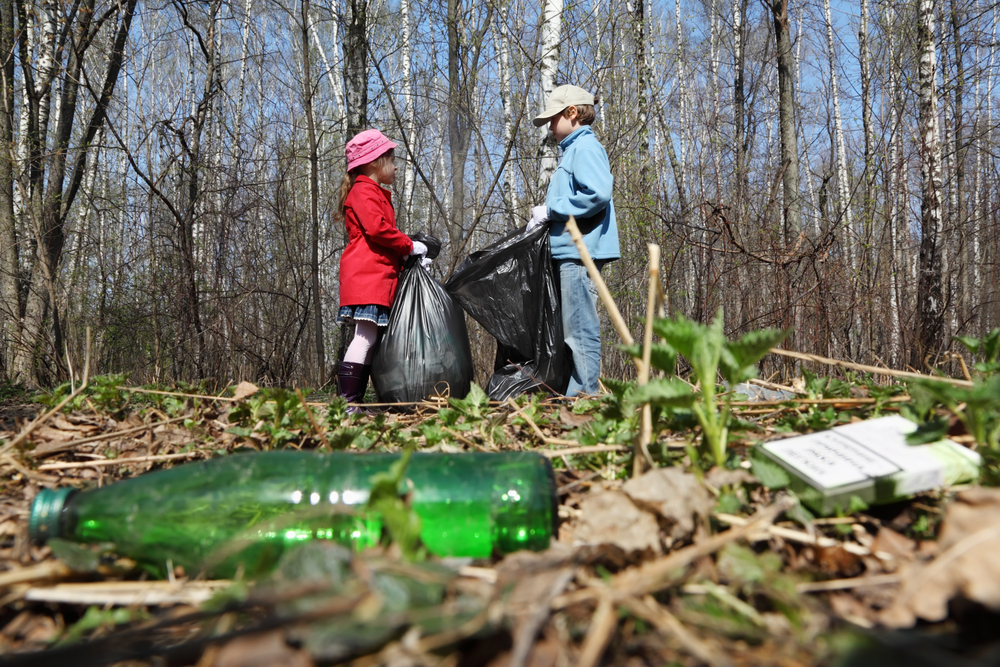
(425, 349)
(511, 289)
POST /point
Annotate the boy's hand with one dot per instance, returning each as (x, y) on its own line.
(539, 216)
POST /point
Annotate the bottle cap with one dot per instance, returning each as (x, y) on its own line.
(45, 513)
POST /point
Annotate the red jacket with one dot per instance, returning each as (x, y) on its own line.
(373, 258)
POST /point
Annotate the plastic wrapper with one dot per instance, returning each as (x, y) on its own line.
(425, 349)
(510, 288)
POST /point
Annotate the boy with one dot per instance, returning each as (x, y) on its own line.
(581, 187)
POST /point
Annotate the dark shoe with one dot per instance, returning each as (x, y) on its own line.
(352, 381)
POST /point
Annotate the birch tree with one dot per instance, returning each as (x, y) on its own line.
(930, 316)
(551, 29)
(10, 301)
(786, 114)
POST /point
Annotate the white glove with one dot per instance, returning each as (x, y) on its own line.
(539, 216)
(418, 249)
(426, 262)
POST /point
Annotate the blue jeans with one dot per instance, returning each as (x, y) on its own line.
(581, 326)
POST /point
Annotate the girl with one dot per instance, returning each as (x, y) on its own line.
(373, 258)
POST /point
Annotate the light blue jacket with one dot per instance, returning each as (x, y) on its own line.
(581, 187)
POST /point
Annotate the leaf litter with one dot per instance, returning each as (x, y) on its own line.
(690, 563)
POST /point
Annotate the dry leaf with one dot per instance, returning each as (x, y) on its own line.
(244, 389)
(611, 518)
(83, 429)
(573, 420)
(889, 542)
(838, 561)
(967, 564)
(676, 495)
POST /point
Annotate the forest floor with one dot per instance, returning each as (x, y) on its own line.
(687, 564)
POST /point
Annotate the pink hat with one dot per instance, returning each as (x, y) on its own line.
(366, 147)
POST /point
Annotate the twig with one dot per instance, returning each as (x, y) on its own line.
(722, 594)
(23, 435)
(104, 436)
(646, 431)
(30, 474)
(653, 576)
(128, 593)
(794, 536)
(524, 635)
(534, 427)
(111, 462)
(602, 624)
(844, 584)
(602, 289)
(320, 432)
(823, 401)
(139, 390)
(50, 570)
(594, 449)
(875, 370)
(649, 610)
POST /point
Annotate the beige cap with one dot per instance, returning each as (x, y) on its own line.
(562, 97)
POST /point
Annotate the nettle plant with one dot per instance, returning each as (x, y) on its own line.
(976, 407)
(711, 356)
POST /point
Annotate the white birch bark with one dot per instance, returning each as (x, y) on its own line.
(897, 262)
(551, 31)
(507, 100)
(843, 187)
(411, 115)
(682, 92)
(715, 49)
(929, 290)
(242, 81)
(806, 162)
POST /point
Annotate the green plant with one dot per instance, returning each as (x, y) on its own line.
(401, 522)
(976, 407)
(275, 415)
(987, 348)
(103, 392)
(710, 355)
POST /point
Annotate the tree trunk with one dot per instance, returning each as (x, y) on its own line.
(739, 106)
(411, 112)
(507, 99)
(930, 316)
(356, 67)
(10, 300)
(958, 222)
(551, 29)
(786, 120)
(307, 102)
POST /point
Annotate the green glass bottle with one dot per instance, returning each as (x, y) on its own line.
(243, 511)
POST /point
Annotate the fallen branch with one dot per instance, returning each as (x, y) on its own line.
(875, 370)
(104, 436)
(111, 462)
(794, 536)
(128, 593)
(43, 571)
(594, 449)
(844, 584)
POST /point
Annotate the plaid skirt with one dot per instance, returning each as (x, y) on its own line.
(369, 313)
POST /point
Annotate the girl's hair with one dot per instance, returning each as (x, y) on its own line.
(379, 165)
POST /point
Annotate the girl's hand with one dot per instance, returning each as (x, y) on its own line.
(418, 249)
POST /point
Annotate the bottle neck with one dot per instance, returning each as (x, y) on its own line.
(46, 513)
